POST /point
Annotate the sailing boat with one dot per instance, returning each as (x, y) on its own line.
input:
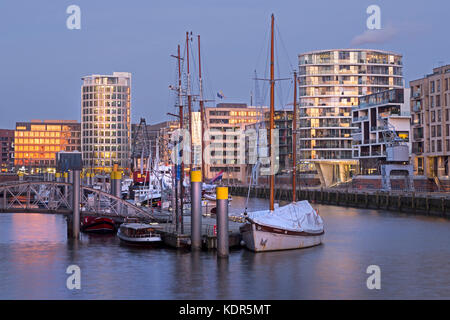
(296, 225)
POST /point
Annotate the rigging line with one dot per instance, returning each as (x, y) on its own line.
(208, 86)
(284, 47)
(279, 86)
(265, 40)
(265, 88)
(257, 97)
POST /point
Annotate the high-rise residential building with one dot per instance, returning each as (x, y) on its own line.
(376, 116)
(37, 142)
(226, 149)
(105, 121)
(430, 106)
(330, 84)
(6, 150)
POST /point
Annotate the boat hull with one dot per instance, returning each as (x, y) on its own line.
(98, 225)
(259, 238)
(147, 241)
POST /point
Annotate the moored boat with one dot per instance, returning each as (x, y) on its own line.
(97, 225)
(139, 234)
(296, 225)
(293, 226)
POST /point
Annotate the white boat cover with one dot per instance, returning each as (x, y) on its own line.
(296, 216)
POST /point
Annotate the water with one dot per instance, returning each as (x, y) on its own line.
(412, 252)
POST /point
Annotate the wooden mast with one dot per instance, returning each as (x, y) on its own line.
(180, 101)
(272, 110)
(294, 140)
(189, 100)
(201, 105)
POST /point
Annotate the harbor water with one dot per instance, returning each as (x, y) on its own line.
(413, 254)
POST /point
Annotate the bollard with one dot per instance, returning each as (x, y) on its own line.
(116, 179)
(58, 177)
(222, 221)
(196, 209)
(112, 185)
(66, 188)
(76, 203)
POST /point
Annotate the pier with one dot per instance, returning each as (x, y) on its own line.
(176, 240)
(433, 204)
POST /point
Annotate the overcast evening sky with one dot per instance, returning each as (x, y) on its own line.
(42, 61)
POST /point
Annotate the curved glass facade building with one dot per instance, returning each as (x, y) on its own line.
(330, 84)
(105, 121)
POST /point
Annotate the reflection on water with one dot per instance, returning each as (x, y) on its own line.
(413, 254)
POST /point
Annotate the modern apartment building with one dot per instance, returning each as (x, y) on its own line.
(376, 116)
(105, 121)
(430, 106)
(6, 150)
(331, 83)
(37, 142)
(226, 149)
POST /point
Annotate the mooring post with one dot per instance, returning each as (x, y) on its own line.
(76, 203)
(117, 181)
(222, 221)
(196, 210)
(70, 200)
(66, 187)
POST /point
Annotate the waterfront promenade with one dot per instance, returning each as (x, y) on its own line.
(426, 203)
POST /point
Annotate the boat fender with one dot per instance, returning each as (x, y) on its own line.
(242, 243)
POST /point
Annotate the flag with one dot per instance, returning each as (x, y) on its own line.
(220, 94)
(218, 177)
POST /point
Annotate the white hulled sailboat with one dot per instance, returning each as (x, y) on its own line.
(296, 225)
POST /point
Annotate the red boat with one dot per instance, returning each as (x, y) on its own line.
(97, 225)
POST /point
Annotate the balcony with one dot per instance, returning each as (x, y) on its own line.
(406, 114)
(359, 119)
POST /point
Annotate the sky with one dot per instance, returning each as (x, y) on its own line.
(42, 61)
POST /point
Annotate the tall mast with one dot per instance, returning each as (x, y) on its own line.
(180, 101)
(181, 194)
(294, 140)
(189, 99)
(272, 110)
(201, 104)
